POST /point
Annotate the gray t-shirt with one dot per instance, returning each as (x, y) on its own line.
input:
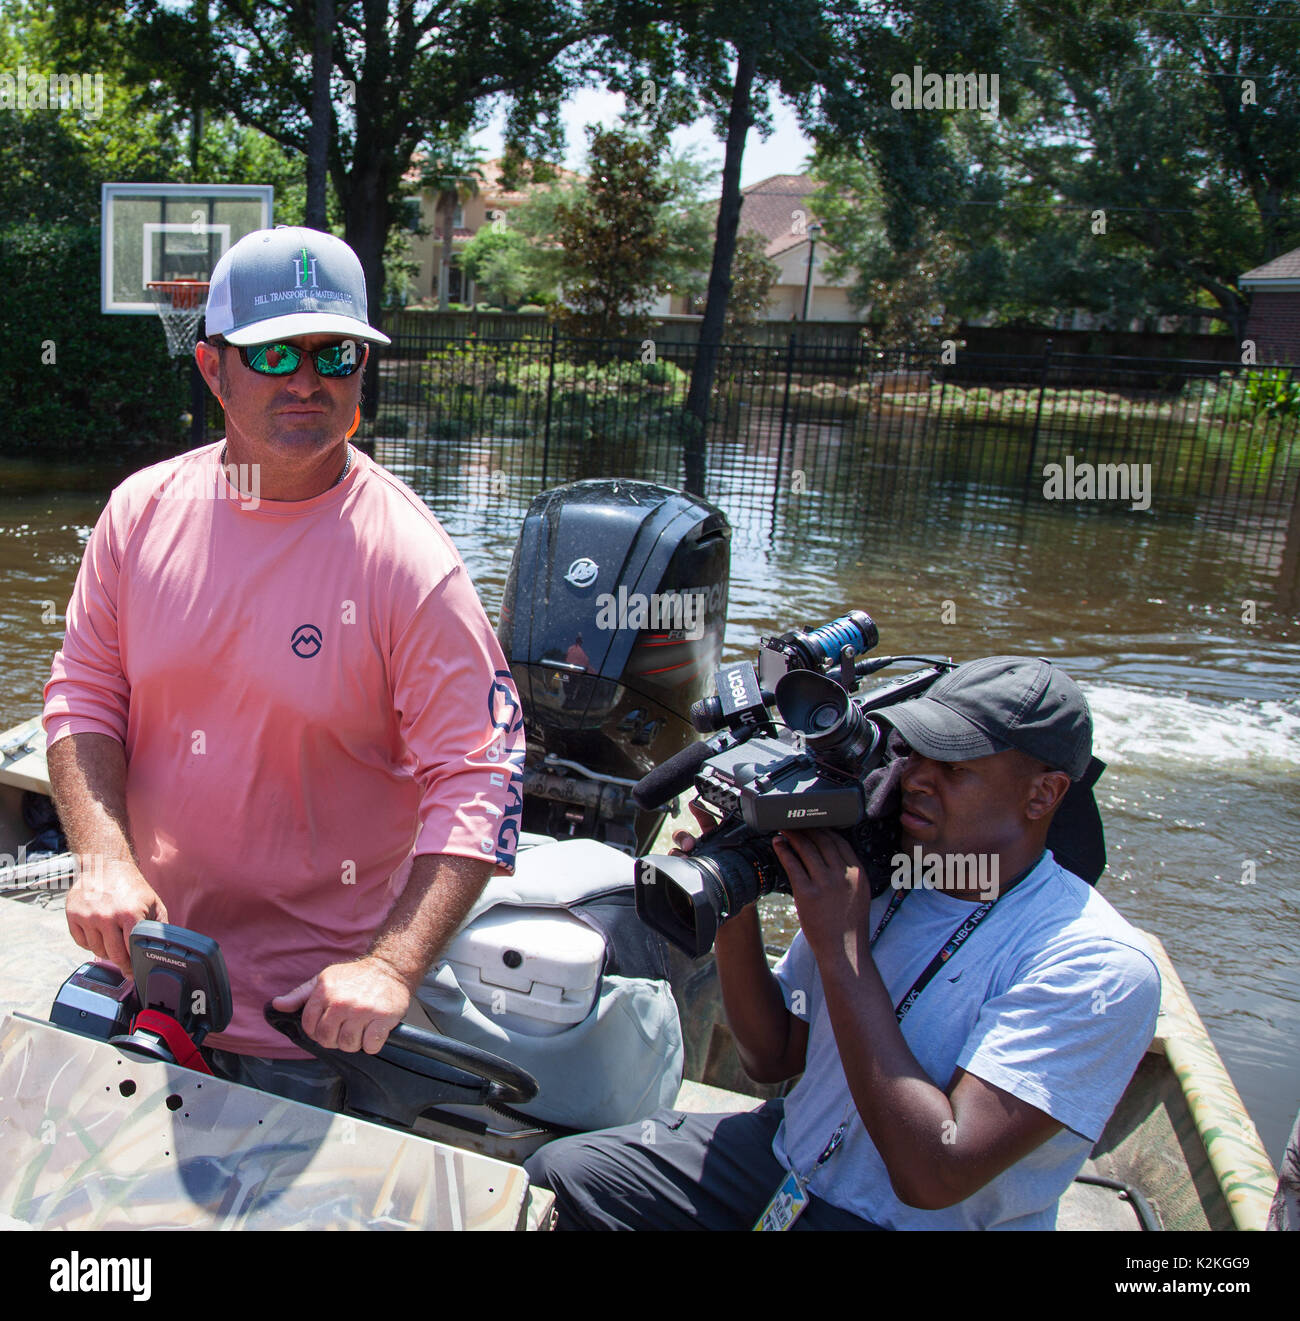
(1053, 998)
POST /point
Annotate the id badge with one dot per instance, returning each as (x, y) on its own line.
(786, 1206)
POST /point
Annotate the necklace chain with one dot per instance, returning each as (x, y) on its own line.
(347, 462)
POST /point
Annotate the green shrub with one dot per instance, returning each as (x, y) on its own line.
(110, 380)
(665, 373)
(1272, 391)
(392, 424)
(468, 390)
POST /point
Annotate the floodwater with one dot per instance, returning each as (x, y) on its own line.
(1183, 631)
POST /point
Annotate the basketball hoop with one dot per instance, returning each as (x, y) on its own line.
(181, 305)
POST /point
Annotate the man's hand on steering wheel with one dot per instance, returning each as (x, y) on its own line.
(350, 1006)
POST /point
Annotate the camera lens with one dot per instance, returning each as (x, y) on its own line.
(679, 905)
(822, 717)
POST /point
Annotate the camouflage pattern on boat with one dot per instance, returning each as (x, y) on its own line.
(94, 1139)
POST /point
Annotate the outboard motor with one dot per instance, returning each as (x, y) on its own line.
(612, 622)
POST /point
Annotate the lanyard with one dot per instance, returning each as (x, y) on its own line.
(953, 944)
(801, 1181)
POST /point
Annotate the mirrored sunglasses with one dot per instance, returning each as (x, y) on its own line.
(340, 359)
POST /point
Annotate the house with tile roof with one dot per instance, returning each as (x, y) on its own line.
(491, 200)
(779, 210)
(1274, 321)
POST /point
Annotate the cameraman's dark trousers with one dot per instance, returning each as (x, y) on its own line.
(674, 1170)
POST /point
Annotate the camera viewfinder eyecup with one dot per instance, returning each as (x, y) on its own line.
(835, 731)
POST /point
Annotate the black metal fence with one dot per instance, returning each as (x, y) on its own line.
(884, 427)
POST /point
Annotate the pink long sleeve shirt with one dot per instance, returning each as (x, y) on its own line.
(309, 694)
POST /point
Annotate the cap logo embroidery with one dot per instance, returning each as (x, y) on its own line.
(305, 267)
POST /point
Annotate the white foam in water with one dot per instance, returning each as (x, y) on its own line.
(1132, 727)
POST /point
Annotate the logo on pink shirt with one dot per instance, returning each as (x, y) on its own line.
(306, 641)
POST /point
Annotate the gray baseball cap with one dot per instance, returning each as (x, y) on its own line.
(278, 283)
(986, 706)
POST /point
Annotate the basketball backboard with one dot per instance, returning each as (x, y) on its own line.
(170, 231)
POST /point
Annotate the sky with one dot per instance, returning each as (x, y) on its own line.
(782, 153)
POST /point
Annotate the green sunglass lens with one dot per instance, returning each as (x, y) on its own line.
(275, 359)
(338, 359)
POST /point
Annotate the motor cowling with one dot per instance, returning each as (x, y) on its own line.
(612, 621)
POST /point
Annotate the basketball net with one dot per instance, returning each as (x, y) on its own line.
(181, 305)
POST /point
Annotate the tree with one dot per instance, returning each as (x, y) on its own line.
(831, 62)
(318, 138)
(626, 235)
(502, 262)
(612, 243)
(518, 256)
(753, 274)
(72, 378)
(907, 292)
(455, 173)
(1184, 124)
(522, 257)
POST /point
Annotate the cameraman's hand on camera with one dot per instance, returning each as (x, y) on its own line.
(351, 1006)
(683, 840)
(829, 886)
(109, 898)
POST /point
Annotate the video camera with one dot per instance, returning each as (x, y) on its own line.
(762, 779)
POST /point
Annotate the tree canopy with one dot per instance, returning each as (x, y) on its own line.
(1143, 158)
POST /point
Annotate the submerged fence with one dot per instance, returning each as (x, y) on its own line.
(885, 427)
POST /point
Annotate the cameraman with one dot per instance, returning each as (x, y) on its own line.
(960, 1051)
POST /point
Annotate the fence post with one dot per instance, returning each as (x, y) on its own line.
(1038, 414)
(785, 413)
(550, 391)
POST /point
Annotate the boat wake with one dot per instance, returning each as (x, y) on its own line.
(1138, 727)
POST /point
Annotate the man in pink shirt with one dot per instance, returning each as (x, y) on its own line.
(280, 716)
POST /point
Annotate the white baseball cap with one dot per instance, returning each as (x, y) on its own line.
(278, 283)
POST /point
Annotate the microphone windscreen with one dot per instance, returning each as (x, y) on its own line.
(673, 777)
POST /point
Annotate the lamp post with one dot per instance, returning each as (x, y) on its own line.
(813, 230)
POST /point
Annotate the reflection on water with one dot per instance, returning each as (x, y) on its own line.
(1196, 708)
